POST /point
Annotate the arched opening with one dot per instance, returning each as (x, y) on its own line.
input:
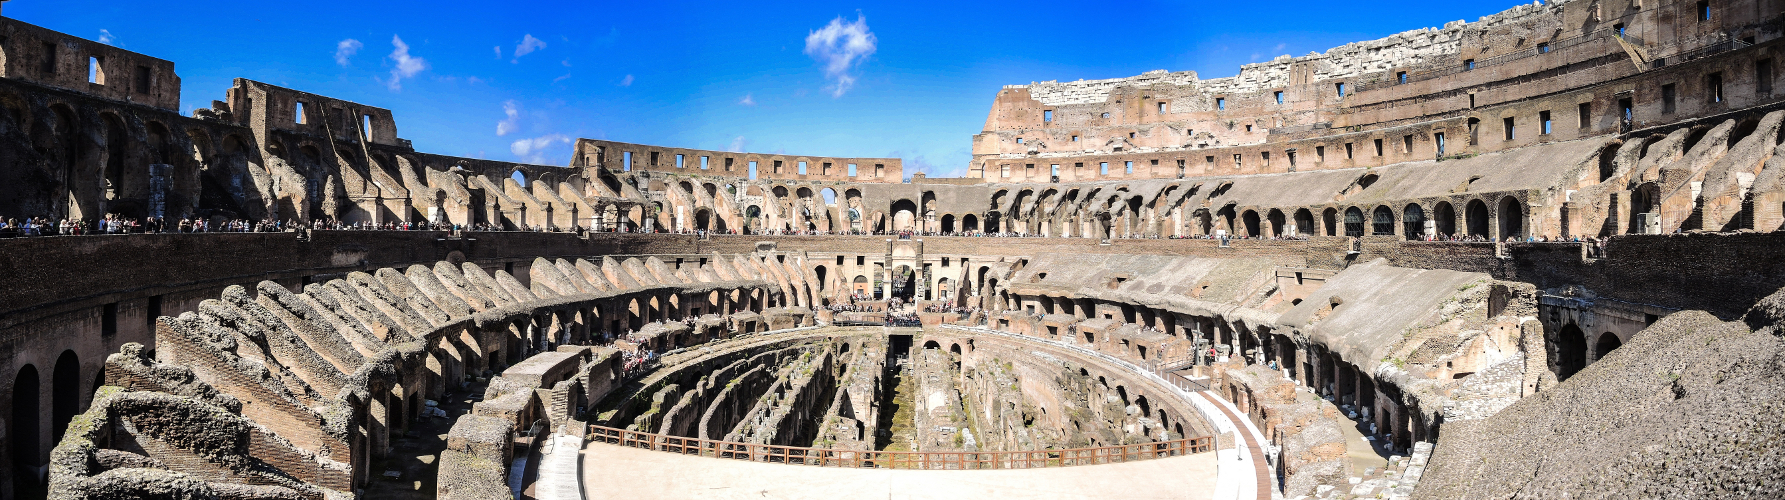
(115, 149)
(931, 345)
(1476, 215)
(1354, 222)
(1608, 342)
(1644, 203)
(904, 215)
(948, 223)
(1277, 222)
(1571, 351)
(1512, 219)
(1444, 219)
(65, 393)
(1413, 220)
(1304, 222)
(22, 433)
(1250, 220)
(1382, 221)
(1331, 218)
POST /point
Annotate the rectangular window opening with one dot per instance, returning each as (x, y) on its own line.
(1378, 147)
(1704, 11)
(1468, 64)
(1220, 103)
(802, 168)
(776, 168)
(654, 158)
(752, 168)
(879, 170)
(1162, 107)
(1714, 83)
(1586, 114)
(679, 161)
(1348, 153)
(95, 70)
(1667, 95)
(626, 161)
(1320, 153)
(1128, 167)
(1075, 138)
(48, 65)
(298, 114)
(1401, 76)
(705, 162)
(1543, 48)
(728, 163)
(1407, 144)
(851, 168)
(1237, 162)
(1438, 141)
(1279, 95)
(1507, 123)
(1103, 168)
(143, 79)
(1341, 88)
(1047, 116)
(1543, 122)
(1265, 158)
(1763, 76)
(825, 169)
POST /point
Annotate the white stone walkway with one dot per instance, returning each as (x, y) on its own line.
(629, 473)
(557, 469)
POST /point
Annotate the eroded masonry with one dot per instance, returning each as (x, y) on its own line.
(1536, 255)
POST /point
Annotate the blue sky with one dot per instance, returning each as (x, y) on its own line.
(516, 81)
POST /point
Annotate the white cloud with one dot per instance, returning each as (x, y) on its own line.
(105, 37)
(406, 65)
(528, 46)
(626, 82)
(561, 78)
(533, 150)
(513, 110)
(840, 46)
(1279, 47)
(498, 52)
(737, 145)
(345, 49)
(747, 100)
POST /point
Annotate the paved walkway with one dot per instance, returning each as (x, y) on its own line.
(557, 469)
(629, 473)
(1249, 439)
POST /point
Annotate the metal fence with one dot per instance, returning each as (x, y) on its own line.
(930, 460)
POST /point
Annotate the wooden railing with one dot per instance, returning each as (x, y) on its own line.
(963, 460)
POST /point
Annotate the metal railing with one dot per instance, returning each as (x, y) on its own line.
(927, 460)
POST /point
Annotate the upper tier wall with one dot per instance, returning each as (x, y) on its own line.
(626, 157)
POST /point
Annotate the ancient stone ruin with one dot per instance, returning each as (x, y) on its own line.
(1537, 255)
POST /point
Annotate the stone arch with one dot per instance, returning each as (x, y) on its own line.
(1475, 214)
(1331, 218)
(1444, 219)
(1571, 351)
(1278, 223)
(1607, 343)
(1512, 219)
(24, 430)
(1250, 222)
(969, 223)
(1413, 221)
(948, 223)
(1354, 222)
(1382, 221)
(65, 393)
